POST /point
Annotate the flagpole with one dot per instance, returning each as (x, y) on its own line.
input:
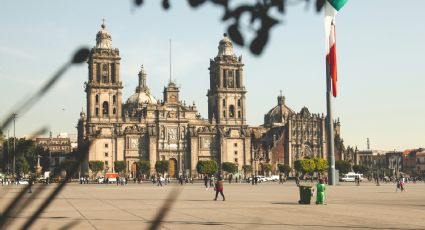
(330, 129)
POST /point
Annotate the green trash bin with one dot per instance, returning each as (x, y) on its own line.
(305, 194)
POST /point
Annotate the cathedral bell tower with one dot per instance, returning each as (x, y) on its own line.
(104, 87)
(226, 96)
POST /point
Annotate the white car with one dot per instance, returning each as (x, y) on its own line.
(273, 178)
(23, 182)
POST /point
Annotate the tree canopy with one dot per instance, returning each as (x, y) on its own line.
(162, 166)
(96, 166)
(208, 167)
(284, 168)
(119, 166)
(362, 169)
(143, 167)
(229, 167)
(343, 166)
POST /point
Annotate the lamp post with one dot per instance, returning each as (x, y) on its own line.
(14, 145)
(50, 152)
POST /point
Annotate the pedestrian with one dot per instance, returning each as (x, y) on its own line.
(256, 180)
(158, 180)
(219, 188)
(30, 181)
(297, 181)
(357, 180)
(320, 192)
(236, 179)
(118, 181)
(230, 178)
(402, 189)
(206, 182)
(212, 181)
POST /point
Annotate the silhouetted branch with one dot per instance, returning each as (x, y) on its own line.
(260, 11)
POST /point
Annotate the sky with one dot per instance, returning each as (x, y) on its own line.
(380, 48)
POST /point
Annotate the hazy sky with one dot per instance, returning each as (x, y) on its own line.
(380, 45)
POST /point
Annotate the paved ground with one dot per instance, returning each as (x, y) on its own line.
(265, 206)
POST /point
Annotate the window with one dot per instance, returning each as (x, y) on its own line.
(97, 111)
(105, 108)
(239, 114)
(97, 98)
(113, 73)
(224, 78)
(235, 144)
(106, 145)
(106, 154)
(105, 73)
(232, 111)
(239, 102)
(224, 113)
(114, 111)
(236, 160)
(98, 72)
(106, 163)
(224, 102)
(114, 99)
(236, 152)
(238, 79)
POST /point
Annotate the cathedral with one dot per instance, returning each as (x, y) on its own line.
(145, 128)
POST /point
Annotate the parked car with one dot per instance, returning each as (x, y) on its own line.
(259, 179)
(351, 177)
(273, 178)
(23, 181)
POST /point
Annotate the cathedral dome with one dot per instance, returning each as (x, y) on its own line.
(276, 115)
(142, 95)
(225, 47)
(103, 38)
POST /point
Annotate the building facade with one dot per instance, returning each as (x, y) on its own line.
(144, 128)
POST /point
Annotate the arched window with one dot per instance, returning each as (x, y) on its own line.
(239, 102)
(224, 102)
(105, 108)
(97, 98)
(105, 74)
(97, 111)
(224, 113)
(114, 99)
(239, 114)
(113, 72)
(231, 111)
(114, 111)
(238, 79)
(97, 72)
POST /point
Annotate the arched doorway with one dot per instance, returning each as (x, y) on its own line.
(133, 169)
(172, 168)
(260, 169)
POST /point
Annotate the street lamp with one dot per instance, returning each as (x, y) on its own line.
(14, 143)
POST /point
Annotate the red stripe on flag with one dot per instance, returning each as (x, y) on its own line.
(332, 59)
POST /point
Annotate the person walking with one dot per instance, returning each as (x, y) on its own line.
(320, 192)
(206, 182)
(219, 188)
(297, 181)
(158, 181)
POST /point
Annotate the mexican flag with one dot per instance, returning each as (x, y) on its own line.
(331, 8)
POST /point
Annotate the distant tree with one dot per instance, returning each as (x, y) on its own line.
(119, 166)
(284, 168)
(343, 166)
(208, 167)
(143, 167)
(161, 166)
(247, 168)
(304, 166)
(70, 166)
(229, 167)
(362, 169)
(321, 165)
(267, 168)
(96, 166)
(22, 165)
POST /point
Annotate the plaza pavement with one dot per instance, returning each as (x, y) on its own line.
(265, 206)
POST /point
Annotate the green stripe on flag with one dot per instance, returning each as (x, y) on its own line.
(337, 4)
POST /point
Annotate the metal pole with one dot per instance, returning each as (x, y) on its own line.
(330, 128)
(8, 153)
(14, 145)
(50, 152)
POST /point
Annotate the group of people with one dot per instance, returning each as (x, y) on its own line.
(84, 180)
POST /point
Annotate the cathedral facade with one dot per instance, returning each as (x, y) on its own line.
(145, 128)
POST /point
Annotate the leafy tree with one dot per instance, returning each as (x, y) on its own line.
(267, 167)
(119, 166)
(305, 166)
(284, 168)
(343, 166)
(208, 167)
(70, 166)
(143, 167)
(247, 168)
(162, 166)
(22, 165)
(96, 166)
(362, 169)
(321, 165)
(229, 167)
